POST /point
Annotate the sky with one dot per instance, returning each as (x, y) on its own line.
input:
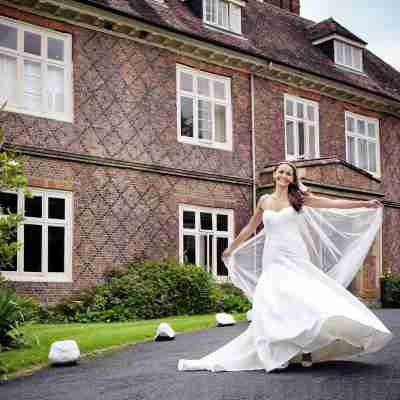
(375, 21)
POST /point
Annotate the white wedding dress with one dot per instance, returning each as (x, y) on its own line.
(296, 272)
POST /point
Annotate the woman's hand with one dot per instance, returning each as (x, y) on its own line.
(227, 252)
(373, 204)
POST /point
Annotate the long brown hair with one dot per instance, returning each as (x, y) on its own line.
(295, 194)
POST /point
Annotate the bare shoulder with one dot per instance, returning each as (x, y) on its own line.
(263, 202)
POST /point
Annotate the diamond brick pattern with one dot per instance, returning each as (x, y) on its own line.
(122, 215)
(125, 109)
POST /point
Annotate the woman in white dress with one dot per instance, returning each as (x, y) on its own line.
(295, 273)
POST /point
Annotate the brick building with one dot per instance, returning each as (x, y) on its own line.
(152, 126)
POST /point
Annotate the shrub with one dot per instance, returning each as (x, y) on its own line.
(11, 317)
(232, 299)
(144, 291)
(390, 284)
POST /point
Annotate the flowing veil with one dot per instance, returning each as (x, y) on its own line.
(337, 241)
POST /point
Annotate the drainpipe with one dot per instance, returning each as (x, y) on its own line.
(253, 141)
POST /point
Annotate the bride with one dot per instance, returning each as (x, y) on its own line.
(295, 272)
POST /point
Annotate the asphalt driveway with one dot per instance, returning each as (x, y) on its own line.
(147, 371)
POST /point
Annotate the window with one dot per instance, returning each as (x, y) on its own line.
(204, 233)
(46, 234)
(301, 128)
(223, 14)
(36, 70)
(348, 56)
(362, 142)
(204, 109)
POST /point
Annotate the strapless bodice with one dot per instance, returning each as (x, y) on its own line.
(281, 222)
(282, 229)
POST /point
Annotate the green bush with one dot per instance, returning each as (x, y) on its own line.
(143, 291)
(390, 284)
(11, 317)
(232, 299)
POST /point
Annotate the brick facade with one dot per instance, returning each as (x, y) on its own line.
(125, 110)
(123, 215)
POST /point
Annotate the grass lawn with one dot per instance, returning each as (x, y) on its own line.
(92, 338)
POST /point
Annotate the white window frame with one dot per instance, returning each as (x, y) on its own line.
(214, 101)
(44, 276)
(45, 62)
(197, 232)
(230, 23)
(367, 120)
(306, 122)
(337, 44)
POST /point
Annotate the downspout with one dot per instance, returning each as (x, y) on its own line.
(253, 141)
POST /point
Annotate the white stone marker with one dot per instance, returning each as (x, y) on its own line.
(164, 332)
(249, 315)
(224, 319)
(64, 352)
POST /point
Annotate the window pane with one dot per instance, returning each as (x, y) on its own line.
(310, 113)
(302, 143)
(223, 13)
(211, 11)
(206, 221)
(32, 43)
(219, 90)
(236, 18)
(186, 116)
(311, 139)
(220, 125)
(205, 255)
(8, 37)
(32, 85)
(339, 50)
(189, 220)
(371, 130)
(56, 208)
(362, 154)
(300, 110)
(186, 82)
(222, 244)
(372, 156)
(55, 89)
(204, 117)
(222, 223)
(290, 137)
(357, 58)
(33, 207)
(56, 248)
(351, 150)
(203, 86)
(289, 108)
(8, 71)
(350, 124)
(347, 55)
(32, 248)
(8, 201)
(55, 49)
(361, 127)
(189, 249)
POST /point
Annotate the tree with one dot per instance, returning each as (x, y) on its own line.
(11, 178)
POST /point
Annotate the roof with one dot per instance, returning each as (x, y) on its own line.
(269, 32)
(329, 27)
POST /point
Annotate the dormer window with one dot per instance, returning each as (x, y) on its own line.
(223, 14)
(348, 56)
(343, 47)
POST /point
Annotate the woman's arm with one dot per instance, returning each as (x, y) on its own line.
(247, 231)
(323, 202)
